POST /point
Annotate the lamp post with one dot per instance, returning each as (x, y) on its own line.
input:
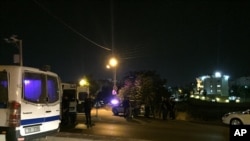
(113, 62)
(19, 43)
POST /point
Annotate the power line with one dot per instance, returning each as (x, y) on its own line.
(69, 27)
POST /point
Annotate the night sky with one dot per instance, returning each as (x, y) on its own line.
(180, 40)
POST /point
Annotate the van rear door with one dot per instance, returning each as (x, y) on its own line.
(33, 103)
(41, 106)
(52, 108)
(82, 94)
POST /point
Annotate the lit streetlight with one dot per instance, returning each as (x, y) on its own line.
(108, 66)
(113, 62)
(83, 82)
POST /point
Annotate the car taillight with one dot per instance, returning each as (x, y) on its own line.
(14, 114)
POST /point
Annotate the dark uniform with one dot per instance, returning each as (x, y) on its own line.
(65, 110)
(87, 109)
(126, 106)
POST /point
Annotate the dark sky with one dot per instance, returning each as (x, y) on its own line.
(180, 40)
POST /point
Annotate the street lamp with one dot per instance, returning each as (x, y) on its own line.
(13, 39)
(83, 82)
(113, 62)
(84, 85)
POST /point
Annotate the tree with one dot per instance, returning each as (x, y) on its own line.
(128, 89)
(104, 91)
(144, 87)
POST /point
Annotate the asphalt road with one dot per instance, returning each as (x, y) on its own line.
(116, 128)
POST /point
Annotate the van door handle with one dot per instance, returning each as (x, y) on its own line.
(48, 111)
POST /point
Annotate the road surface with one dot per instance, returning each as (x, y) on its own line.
(116, 128)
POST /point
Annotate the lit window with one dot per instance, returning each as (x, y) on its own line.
(37, 90)
(33, 87)
(218, 85)
(52, 89)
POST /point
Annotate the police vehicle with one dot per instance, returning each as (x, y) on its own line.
(29, 103)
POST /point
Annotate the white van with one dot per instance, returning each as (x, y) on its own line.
(29, 103)
(76, 95)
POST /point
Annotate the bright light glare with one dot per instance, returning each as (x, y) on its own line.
(26, 82)
(217, 74)
(114, 101)
(226, 77)
(203, 98)
(197, 97)
(217, 99)
(113, 62)
(83, 82)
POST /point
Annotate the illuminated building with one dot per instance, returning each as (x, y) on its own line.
(216, 84)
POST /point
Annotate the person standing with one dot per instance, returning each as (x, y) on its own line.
(126, 106)
(65, 110)
(87, 109)
(172, 108)
(164, 109)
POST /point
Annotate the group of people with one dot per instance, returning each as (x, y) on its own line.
(66, 117)
(168, 108)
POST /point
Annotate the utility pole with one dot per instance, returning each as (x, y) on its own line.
(19, 44)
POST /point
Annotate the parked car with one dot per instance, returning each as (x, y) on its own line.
(237, 118)
(135, 110)
(119, 109)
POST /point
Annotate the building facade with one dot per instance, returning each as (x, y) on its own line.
(216, 84)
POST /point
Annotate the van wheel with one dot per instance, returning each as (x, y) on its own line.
(235, 121)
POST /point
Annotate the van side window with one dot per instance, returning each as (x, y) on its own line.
(34, 87)
(52, 89)
(3, 89)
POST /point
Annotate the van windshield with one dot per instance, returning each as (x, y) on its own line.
(3, 89)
